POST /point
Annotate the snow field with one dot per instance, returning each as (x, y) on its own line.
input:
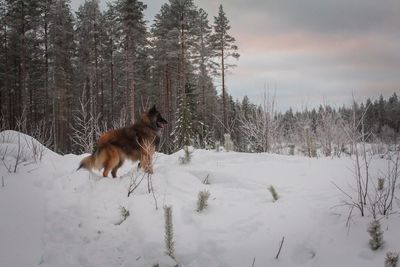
(52, 215)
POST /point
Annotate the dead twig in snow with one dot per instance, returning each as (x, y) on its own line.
(280, 247)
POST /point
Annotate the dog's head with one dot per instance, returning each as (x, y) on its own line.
(154, 118)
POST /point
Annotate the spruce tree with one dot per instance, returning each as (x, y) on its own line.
(183, 132)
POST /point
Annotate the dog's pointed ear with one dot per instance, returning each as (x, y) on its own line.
(153, 110)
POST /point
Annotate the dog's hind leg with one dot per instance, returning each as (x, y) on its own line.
(111, 162)
(115, 169)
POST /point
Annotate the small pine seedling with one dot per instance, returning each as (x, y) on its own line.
(392, 259)
(202, 200)
(376, 235)
(169, 232)
(273, 193)
(187, 157)
(124, 213)
(381, 183)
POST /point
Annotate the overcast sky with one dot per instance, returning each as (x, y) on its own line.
(310, 51)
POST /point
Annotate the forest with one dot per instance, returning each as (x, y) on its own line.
(67, 76)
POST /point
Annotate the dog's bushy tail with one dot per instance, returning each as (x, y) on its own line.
(87, 162)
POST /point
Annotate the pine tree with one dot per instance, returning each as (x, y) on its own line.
(376, 235)
(110, 40)
(89, 48)
(169, 232)
(61, 50)
(45, 10)
(202, 58)
(165, 47)
(4, 83)
(130, 17)
(224, 47)
(206, 93)
(391, 259)
(22, 56)
(175, 34)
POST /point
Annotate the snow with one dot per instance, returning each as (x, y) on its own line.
(53, 215)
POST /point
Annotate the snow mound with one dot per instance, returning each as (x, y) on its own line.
(18, 146)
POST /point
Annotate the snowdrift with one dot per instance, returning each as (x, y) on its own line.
(53, 215)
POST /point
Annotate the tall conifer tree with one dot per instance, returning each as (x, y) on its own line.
(224, 47)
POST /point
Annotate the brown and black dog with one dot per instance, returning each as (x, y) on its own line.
(136, 142)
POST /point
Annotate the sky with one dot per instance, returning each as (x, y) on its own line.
(309, 52)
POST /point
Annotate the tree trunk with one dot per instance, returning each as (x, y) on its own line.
(130, 77)
(46, 68)
(22, 66)
(223, 87)
(112, 83)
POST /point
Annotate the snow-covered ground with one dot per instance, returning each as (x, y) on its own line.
(53, 215)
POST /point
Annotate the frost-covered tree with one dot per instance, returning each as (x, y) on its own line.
(259, 125)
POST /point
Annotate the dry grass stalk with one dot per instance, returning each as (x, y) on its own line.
(146, 160)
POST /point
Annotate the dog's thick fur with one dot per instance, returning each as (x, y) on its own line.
(137, 142)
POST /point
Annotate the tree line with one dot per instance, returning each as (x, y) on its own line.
(83, 73)
(328, 130)
(65, 78)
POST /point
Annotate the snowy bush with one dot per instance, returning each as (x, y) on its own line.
(273, 192)
(217, 146)
(392, 259)
(291, 149)
(85, 126)
(310, 149)
(228, 144)
(169, 232)
(202, 200)
(376, 235)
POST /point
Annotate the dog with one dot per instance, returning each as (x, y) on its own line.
(136, 142)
